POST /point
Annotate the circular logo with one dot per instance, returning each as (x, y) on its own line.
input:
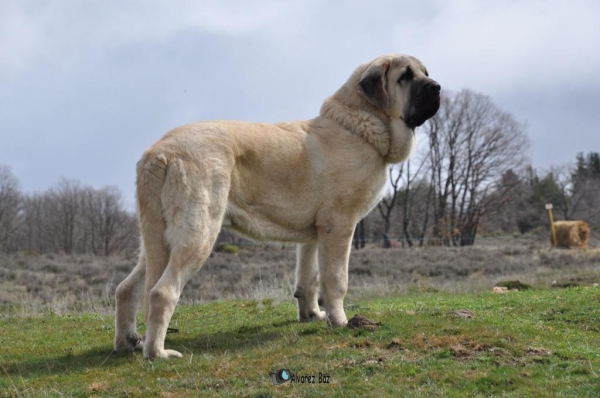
(281, 376)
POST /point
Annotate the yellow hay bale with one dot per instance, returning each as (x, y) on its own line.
(571, 234)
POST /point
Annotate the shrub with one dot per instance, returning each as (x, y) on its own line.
(513, 285)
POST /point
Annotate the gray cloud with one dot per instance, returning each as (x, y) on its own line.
(87, 86)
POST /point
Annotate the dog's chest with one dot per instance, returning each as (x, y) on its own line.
(375, 194)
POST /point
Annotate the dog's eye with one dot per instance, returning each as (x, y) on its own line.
(406, 76)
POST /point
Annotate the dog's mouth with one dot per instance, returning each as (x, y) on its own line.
(419, 113)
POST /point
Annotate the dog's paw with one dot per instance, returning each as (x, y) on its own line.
(336, 322)
(162, 354)
(318, 316)
(131, 342)
(313, 316)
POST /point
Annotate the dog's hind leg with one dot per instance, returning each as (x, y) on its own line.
(165, 295)
(128, 298)
(193, 215)
(154, 253)
(307, 283)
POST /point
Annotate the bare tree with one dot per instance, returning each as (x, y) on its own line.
(64, 213)
(107, 226)
(387, 204)
(32, 224)
(472, 144)
(443, 132)
(413, 191)
(10, 199)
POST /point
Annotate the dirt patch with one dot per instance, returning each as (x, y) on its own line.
(459, 347)
(360, 322)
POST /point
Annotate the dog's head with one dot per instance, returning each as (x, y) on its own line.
(400, 86)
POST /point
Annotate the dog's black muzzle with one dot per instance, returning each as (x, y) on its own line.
(423, 102)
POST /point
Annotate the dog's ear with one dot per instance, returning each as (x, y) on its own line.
(373, 83)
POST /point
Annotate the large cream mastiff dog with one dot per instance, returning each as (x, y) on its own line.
(307, 182)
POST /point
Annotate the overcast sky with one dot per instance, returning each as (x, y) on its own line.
(86, 86)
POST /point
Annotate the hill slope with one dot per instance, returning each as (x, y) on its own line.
(530, 343)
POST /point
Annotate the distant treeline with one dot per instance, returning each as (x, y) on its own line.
(68, 218)
(515, 203)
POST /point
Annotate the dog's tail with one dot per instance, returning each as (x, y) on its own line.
(151, 175)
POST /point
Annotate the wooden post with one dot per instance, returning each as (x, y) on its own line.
(549, 208)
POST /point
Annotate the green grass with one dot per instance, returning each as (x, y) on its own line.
(535, 343)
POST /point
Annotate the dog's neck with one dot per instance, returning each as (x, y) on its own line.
(365, 124)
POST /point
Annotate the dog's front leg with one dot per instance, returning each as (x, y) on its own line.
(307, 283)
(335, 241)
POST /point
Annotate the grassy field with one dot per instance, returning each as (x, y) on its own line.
(529, 343)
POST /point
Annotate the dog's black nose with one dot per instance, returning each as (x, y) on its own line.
(435, 87)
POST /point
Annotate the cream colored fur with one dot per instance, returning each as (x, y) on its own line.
(307, 182)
